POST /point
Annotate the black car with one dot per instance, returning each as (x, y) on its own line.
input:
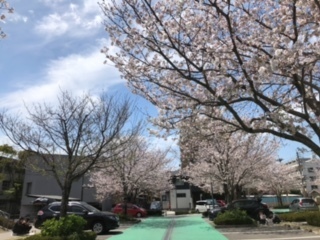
(98, 221)
(251, 206)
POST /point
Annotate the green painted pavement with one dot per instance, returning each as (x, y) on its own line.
(193, 228)
(171, 228)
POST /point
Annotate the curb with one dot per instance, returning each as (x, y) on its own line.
(236, 226)
(303, 226)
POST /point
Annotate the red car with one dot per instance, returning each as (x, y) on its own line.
(221, 203)
(132, 210)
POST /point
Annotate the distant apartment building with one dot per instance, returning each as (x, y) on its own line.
(309, 169)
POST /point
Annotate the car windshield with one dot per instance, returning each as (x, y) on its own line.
(211, 202)
(89, 207)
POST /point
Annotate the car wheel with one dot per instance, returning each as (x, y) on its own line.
(138, 215)
(98, 228)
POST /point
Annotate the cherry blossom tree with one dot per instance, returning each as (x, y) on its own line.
(4, 6)
(67, 140)
(254, 63)
(227, 161)
(136, 170)
(280, 179)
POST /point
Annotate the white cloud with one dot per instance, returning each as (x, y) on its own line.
(16, 17)
(52, 25)
(76, 20)
(77, 73)
(51, 2)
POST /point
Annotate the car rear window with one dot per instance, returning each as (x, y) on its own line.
(309, 201)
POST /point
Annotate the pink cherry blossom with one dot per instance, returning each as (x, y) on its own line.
(256, 62)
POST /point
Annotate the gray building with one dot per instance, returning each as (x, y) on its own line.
(41, 188)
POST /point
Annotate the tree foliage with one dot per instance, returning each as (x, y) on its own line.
(279, 179)
(140, 169)
(253, 64)
(12, 172)
(69, 139)
(224, 161)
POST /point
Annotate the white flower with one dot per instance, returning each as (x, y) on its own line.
(278, 52)
(262, 70)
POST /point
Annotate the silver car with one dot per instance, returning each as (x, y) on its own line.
(303, 204)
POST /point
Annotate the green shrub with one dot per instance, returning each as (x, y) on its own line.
(64, 226)
(281, 206)
(233, 217)
(6, 223)
(75, 236)
(314, 219)
(297, 216)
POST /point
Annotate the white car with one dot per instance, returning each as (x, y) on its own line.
(205, 205)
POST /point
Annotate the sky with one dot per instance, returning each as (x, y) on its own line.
(55, 44)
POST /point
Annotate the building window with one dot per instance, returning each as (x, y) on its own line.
(28, 188)
(164, 198)
(181, 195)
(179, 182)
(312, 178)
(5, 185)
(314, 187)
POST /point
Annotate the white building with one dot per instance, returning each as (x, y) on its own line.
(310, 170)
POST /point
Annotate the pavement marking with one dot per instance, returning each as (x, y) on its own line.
(168, 234)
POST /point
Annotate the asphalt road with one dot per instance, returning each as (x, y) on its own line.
(194, 227)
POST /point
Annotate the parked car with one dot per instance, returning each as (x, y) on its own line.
(203, 206)
(221, 203)
(132, 210)
(98, 221)
(303, 204)
(251, 206)
(156, 205)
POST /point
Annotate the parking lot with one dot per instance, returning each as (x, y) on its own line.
(191, 228)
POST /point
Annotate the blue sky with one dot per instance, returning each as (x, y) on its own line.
(55, 44)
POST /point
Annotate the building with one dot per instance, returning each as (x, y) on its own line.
(178, 198)
(41, 188)
(309, 168)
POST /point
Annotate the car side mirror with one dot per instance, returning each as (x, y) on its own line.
(85, 212)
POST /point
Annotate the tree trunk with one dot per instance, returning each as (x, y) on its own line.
(279, 198)
(125, 200)
(65, 197)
